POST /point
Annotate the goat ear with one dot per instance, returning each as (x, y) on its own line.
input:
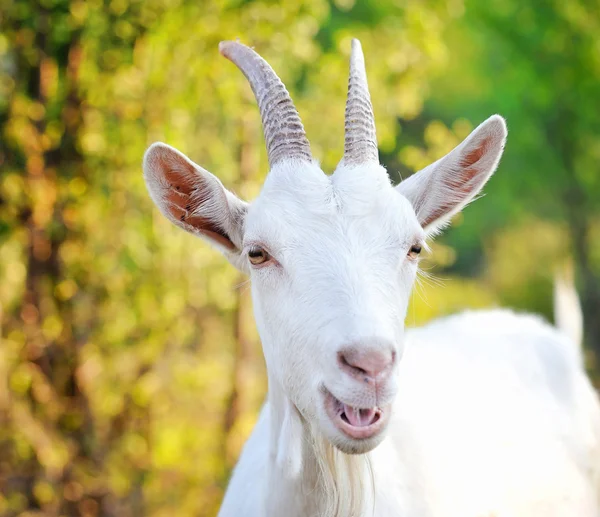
(446, 186)
(195, 200)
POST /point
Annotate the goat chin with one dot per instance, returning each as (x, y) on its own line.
(354, 447)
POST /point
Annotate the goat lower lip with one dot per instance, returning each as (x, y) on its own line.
(376, 418)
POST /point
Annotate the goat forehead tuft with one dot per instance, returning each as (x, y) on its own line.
(311, 192)
(307, 187)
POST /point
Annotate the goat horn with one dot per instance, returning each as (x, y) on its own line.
(284, 133)
(360, 143)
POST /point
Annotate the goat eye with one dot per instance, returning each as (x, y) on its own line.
(414, 251)
(257, 256)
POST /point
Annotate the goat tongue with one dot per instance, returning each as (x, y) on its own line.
(359, 417)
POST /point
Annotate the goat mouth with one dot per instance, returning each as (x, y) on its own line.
(354, 422)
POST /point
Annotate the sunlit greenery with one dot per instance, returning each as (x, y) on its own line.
(130, 369)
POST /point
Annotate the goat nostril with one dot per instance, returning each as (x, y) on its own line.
(348, 365)
(366, 364)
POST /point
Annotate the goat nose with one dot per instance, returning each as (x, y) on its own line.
(367, 365)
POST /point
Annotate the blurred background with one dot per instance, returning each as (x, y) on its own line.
(130, 369)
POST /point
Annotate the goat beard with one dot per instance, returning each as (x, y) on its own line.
(345, 482)
(338, 484)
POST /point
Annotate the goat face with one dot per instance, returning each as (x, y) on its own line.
(332, 259)
(332, 268)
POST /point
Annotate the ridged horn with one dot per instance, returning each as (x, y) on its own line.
(360, 144)
(284, 133)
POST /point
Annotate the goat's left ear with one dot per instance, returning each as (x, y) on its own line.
(446, 186)
(195, 200)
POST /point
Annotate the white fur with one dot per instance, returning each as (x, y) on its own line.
(492, 413)
(494, 417)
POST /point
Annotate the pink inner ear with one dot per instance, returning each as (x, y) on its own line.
(185, 192)
(461, 182)
(476, 154)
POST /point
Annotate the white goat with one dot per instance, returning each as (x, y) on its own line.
(477, 415)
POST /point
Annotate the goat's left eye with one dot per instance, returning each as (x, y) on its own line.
(414, 251)
(257, 256)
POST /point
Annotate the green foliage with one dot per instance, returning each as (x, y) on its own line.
(539, 65)
(130, 370)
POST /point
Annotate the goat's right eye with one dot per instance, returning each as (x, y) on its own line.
(257, 256)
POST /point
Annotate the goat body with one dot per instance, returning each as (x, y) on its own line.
(494, 417)
(472, 416)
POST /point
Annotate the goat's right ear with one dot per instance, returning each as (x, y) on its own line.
(195, 200)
